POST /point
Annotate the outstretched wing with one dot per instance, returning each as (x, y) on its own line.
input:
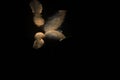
(36, 7)
(55, 21)
(52, 25)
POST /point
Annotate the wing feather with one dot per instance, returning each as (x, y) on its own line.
(55, 21)
(36, 7)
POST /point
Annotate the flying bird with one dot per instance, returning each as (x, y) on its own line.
(37, 8)
(51, 29)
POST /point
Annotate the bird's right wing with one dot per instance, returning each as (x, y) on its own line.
(55, 21)
(52, 25)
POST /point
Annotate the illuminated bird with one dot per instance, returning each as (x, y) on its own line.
(51, 29)
(37, 8)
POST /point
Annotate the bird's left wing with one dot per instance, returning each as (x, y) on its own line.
(36, 7)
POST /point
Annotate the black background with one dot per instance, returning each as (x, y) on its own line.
(17, 28)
